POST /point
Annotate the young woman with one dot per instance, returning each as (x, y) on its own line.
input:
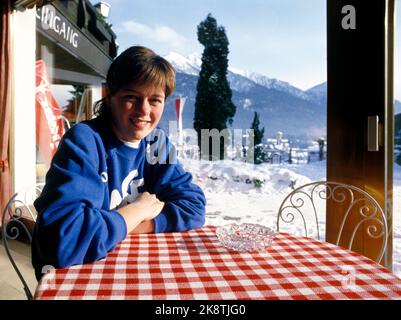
(104, 182)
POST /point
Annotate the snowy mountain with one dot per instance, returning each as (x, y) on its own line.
(241, 80)
(270, 83)
(184, 65)
(397, 107)
(318, 93)
(282, 107)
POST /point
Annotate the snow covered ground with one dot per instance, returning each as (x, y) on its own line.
(241, 192)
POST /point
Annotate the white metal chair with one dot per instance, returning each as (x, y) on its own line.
(67, 122)
(18, 208)
(306, 203)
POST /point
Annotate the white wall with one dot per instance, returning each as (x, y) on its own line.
(96, 94)
(23, 141)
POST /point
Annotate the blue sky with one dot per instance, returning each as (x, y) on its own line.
(283, 39)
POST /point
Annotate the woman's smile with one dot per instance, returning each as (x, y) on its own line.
(140, 124)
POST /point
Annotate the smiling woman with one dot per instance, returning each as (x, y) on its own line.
(100, 186)
(136, 93)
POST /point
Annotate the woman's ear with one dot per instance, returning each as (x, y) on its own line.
(107, 94)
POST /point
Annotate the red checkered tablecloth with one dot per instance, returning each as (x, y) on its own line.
(193, 265)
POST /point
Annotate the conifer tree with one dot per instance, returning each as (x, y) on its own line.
(213, 105)
(256, 130)
(258, 133)
(320, 141)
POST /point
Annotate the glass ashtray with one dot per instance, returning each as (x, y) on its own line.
(245, 236)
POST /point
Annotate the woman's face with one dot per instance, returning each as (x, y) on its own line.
(136, 110)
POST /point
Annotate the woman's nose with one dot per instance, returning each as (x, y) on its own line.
(143, 106)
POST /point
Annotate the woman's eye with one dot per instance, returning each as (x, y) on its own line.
(156, 101)
(130, 98)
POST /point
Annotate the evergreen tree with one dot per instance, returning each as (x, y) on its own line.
(213, 105)
(77, 92)
(258, 133)
(320, 141)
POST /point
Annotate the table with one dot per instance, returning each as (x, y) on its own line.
(193, 265)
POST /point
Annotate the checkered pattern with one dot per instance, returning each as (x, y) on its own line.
(193, 265)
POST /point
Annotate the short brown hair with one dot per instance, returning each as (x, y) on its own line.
(138, 65)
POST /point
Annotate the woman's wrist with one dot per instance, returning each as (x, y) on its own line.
(147, 226)
(143, 210)
(133, 218)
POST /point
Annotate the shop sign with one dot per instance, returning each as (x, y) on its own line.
(52, 23)
(61, 28)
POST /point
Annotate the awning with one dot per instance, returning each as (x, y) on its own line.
(29, 4)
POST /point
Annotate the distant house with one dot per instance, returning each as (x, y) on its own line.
(280, 150)
(317, 151)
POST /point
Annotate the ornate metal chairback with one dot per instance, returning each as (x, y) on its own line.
(18, 207)
(306, 202)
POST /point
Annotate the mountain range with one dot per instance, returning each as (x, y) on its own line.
(299, 115)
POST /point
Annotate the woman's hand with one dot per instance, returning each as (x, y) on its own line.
(148, 205)
(139, 214)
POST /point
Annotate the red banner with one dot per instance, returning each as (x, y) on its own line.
(49, 124)
(179, 106)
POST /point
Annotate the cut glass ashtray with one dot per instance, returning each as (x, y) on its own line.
(245, 236)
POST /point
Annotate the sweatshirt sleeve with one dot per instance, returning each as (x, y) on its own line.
(185, 202)
(72, 228)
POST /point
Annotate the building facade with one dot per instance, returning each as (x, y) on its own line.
(60, 52)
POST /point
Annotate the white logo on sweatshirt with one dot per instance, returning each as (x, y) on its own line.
(129, 189)
(104, 176)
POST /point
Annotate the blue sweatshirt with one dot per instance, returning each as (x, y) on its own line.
(92, 174)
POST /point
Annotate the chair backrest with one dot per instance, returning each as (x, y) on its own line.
(66, 122)
(307, 204)
(18, 208)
